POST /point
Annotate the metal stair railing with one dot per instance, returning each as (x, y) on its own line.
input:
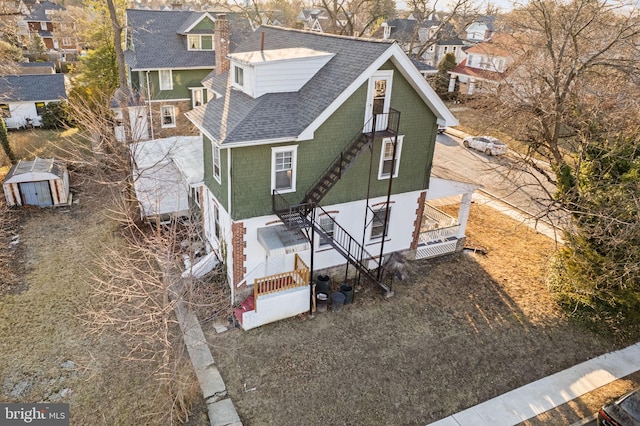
(341, 164)
(353, 251)
(345, 159)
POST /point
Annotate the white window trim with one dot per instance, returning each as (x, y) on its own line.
(163, 87)
(384, 234)
(324, 217)
(199, 48)
(173, 114)
(294, 161)
(382, 176)
(193, 97)
(234, 83)
(196, 194)
(216, 149)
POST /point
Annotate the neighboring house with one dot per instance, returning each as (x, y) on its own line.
(31, 68)
(481, 29)
(429, 40)
(486, 64)
(313, 19)
(168, 54)
(46, 19)
(168, 173)
(317, 153)
(23, 98)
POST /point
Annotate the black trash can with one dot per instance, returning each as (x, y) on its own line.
(347, 290)
(337, 300)
(323, 282)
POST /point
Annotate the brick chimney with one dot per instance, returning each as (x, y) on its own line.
(222, 44)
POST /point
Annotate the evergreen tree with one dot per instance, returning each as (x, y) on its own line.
(447, 63)
(37, 44)
(4, 141)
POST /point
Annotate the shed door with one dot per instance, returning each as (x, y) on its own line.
(36, 193)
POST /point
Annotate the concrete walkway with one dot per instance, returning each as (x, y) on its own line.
(504, 208)
(545, 394)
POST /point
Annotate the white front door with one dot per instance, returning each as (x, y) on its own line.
(378, 100)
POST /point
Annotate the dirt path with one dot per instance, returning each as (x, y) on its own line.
(462, 330)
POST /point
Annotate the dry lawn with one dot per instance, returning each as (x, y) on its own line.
(46, 353)
(461, 330)
(41, 326)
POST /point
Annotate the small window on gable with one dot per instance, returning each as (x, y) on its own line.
(238, 76)
(43, 26)
(378, 226)
(387, 162)
(40, 108)
(166, 80)
(168, 116)
(5, 112)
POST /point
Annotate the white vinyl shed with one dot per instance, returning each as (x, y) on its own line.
(41, 182)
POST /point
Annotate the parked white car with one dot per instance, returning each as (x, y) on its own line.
(487, 144)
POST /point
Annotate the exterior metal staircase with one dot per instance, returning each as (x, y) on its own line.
(302, 215)
(338, 167)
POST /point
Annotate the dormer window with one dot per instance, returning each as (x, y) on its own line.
(200, 42)
(238, 76)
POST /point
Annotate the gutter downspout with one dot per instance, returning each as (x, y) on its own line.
(149, 105)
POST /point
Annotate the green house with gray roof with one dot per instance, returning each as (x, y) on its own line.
(317, 156)
(168, 54)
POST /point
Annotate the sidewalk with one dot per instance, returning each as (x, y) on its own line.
(547, 393)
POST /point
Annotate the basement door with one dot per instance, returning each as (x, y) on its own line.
(36, 193)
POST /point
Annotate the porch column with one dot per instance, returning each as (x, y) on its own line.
(472, 85)
(452, 83)
(463, 214)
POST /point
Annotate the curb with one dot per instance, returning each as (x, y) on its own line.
(221, 410)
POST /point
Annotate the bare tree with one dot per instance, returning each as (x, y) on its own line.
(571, 97)
(123, 99)
(562, 50)
(446, 25)
(140, 275)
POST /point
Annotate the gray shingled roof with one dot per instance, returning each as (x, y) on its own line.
(39, 87)
(282, 115)
(38, 11)
(158, 44)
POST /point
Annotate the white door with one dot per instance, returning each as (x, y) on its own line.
(378, 100)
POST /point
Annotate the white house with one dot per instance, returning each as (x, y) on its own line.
(23, 98)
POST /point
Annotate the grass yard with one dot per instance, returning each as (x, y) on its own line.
(46, 353)
(461, 330)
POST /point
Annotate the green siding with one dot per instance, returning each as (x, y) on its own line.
(205, 24)
(181, 80)
(219, 190)
(251, 166)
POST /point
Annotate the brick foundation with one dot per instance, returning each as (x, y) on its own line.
(238, 232)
